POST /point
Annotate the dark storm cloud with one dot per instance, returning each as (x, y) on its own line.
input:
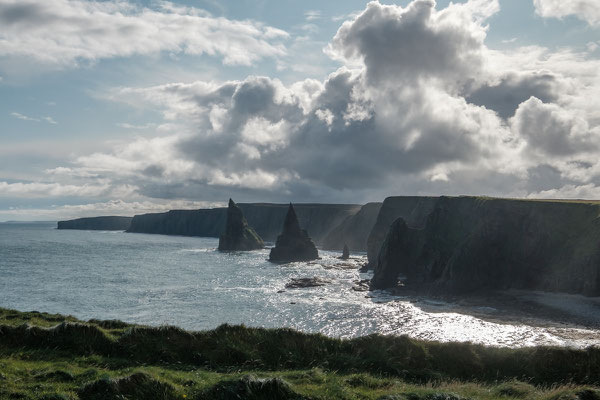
(505, 96)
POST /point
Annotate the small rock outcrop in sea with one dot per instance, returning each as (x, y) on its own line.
(315, 281)
(345, 252)
(238, 235)
(293, 244)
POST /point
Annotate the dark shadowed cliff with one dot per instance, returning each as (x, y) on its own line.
(205, 222)
(354, 230)
(469, 244)
(109, 223)
(414, 210)
(265, 218)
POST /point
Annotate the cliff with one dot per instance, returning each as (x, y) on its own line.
(471, 244)
(266, 219)
(354, 230)
(413, 209)
(205, 222)
(109, 223)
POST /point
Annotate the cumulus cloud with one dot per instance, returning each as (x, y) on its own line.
(67, 32)
(585, 10)
(417, 42)
(554, 131)
(421, 106)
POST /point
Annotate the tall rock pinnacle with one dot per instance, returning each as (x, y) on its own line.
(293, 244)
(238, 235)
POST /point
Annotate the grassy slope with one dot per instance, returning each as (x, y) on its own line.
(49, 359)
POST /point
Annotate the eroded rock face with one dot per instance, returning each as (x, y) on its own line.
(473, 244)
(238, 234)
(293, 244)
(413, 209)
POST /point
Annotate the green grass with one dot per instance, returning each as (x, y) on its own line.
(45, 356)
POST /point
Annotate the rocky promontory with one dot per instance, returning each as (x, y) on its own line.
(293, 244)
(108, 223)
(238, 234)
(470, 244)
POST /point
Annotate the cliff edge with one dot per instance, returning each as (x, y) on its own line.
(109, 223)
(470, 244)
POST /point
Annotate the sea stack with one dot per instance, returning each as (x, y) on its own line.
(238, 235)
(293, 244)
(345, 252)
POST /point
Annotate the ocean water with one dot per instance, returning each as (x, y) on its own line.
(185, 281)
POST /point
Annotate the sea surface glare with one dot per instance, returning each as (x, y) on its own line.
(185, 281)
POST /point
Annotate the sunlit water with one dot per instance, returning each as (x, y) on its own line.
(156, 279)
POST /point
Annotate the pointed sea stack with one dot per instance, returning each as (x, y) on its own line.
(293, 244)
(345, 252)
(238, 235)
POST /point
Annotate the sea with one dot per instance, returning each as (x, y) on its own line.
(185, 281)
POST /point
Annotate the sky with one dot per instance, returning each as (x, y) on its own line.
(120, 107)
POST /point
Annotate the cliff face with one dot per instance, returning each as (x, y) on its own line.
(413, 209)
(354, 230)
(209, 222)
(265, 218)
(109, 223)
(469, 244)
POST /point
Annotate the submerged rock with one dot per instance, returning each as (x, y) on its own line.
(296, 283)
(293, 244)
(238, 234)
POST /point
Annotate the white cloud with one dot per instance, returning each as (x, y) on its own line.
(312, 15)
(585, 10)
(45, 190)
(422, 106)
(126, 125)
(67, 32)
(589, 191)
(23, 117)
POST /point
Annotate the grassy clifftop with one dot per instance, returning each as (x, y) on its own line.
(44, 356)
